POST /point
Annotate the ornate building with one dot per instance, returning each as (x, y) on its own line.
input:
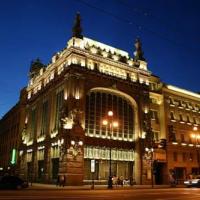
(182, 123)
(67, 129)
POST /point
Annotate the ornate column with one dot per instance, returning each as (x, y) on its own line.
(72, 153)
(47, 166)
(71, 133)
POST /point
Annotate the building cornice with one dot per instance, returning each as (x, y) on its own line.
(181, 92)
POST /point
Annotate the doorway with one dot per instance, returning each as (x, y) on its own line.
(158, 172)
(55, 168)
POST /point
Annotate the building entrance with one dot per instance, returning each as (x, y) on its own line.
(158, 172)
(180, 173)
(40, 170)
(119, 169)
(55, 168)
(30, 172)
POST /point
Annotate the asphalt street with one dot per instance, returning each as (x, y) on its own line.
(115, 194)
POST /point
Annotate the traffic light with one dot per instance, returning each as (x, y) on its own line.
(162, 144)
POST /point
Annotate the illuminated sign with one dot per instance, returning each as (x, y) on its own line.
(92, 166)
(13, 158)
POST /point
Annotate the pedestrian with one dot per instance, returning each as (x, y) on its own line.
(190, 176)
(172, 180)
(62, 180)
(118, 181)
(58, 181)
(121, 180)
(131, 181)
(114, 180)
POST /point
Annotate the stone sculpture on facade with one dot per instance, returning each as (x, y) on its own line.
(77, 29)
(138, 54)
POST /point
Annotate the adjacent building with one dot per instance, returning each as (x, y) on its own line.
(11, 126)
(182, 119)
(95, 112)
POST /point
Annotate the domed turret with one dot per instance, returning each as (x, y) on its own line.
(35, 67)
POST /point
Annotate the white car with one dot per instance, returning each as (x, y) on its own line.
(194, 182)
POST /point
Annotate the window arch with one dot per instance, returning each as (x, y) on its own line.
(98, 103)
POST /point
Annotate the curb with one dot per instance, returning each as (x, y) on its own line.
(38, 186)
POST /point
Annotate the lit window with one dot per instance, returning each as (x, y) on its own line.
(154, 115)
(97, 106)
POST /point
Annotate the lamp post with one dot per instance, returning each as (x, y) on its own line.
(61, 147)
(149, 151)
(108, 121)
(75, 148)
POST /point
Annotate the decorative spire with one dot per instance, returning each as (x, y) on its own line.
(77, 29)
(138, 54)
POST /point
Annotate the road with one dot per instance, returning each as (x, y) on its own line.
(125, 194)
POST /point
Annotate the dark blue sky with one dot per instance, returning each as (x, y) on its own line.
(169, 30)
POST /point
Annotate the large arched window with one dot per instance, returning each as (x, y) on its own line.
(97, 105)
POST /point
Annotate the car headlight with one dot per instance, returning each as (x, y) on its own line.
(186, 182)
(195, 182)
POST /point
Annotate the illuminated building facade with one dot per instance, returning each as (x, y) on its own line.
(11, 124)
(62, 128)
(9, 132)
(66, 104)
(182, 118)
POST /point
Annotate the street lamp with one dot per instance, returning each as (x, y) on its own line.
(108, 121)
(75, 147)
(61, 147)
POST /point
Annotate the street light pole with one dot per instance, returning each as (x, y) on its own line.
(152, 182)
(111, 125)
(110, 183)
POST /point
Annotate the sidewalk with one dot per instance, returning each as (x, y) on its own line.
(41, 186)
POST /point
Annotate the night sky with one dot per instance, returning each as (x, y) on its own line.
(169, 30)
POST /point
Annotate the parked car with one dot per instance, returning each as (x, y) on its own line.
(194, 182)
(12, 182)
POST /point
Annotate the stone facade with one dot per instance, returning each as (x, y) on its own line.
(11, 125)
